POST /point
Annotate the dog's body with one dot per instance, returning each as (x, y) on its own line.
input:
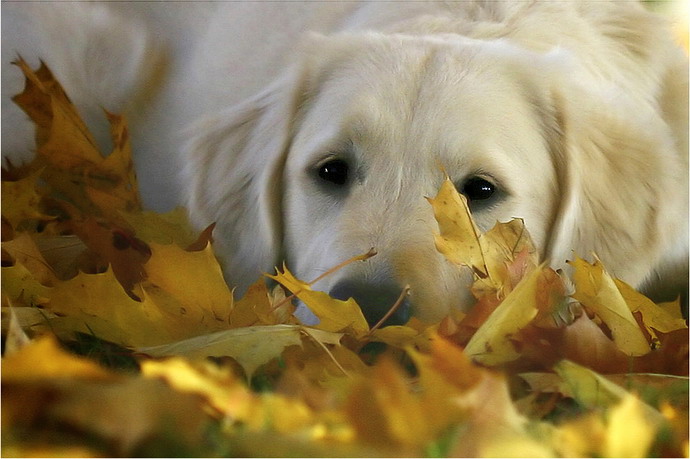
(312, 148)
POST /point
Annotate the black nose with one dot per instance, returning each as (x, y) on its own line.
(375, 300)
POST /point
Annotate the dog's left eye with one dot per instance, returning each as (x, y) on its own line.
(478, 189)
(334, 171)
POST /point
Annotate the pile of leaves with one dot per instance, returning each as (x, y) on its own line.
(121, 337)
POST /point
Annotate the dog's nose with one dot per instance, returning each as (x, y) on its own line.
(375, 300)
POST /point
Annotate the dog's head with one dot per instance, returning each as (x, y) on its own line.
(338, 155)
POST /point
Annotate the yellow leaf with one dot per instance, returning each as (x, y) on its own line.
(97, 303)
(193, 280)
(24, 250)
(491, 344)
(73, 164)
(124, 194)
(459, 237)
(169, 228)
(259, 307)
(335, 315)
(385, 412)
(653, 316)
(219, 386)
(21, 202)
(598, 292)
(415, 333)
(251, 347)
(22, 287)
(45, 359)
(592, 390)
(630, 431)
(28, 318)
(501, 246)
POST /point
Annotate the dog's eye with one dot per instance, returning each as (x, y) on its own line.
(478, 189)
(334, 171)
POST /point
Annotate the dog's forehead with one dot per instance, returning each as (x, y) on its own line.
(441, 96)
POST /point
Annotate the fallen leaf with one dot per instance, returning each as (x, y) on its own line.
(631, 430)
(191, 285)
(21, 201)
(164, 229)
(44, 359)
(251, 347)
(491, 344)
(24, 250)
(334, 315)
(653, 316)
(22, 287)
(97, 304)
(73, 165)
(598, 292)
(459, 236)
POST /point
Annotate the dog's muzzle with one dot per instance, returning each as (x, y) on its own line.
(375, 299)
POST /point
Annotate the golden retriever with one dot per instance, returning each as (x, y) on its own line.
(313, 131)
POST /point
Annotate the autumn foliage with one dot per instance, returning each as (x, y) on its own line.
(121, 336)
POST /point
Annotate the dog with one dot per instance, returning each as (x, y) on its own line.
(312, 132)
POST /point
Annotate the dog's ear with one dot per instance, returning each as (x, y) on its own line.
(233, 176)
(623, 187)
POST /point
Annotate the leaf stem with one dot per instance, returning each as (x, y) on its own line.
(391, 311)
(330, 354)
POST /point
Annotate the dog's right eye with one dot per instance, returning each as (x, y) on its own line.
(334, 171)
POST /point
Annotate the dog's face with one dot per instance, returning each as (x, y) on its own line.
(339, 155)
(380, 126)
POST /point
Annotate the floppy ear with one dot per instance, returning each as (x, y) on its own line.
(233, 176)
(623, 187)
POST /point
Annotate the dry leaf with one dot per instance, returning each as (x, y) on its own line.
(188, 284)
(334, 315)
(251, 347)
(21, 201)
(25, 251)
(459, 236)
(491, 344)
(598, 292)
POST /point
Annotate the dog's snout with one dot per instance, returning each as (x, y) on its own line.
(375, 299)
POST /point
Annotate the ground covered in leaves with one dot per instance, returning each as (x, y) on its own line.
(121, 338)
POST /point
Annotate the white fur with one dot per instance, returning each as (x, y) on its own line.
(577, 109)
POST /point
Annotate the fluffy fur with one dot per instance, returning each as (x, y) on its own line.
(577, 112)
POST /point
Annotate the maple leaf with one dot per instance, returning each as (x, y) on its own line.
(97, 303)
(238, 405)
(334, 315)
(44, 359)
(251, 347)
(219, 386)
(73, 165)
(189, 285)
(491, 344)
(114, 246)
(24, 250)
(598, 292)
(21, 202)
(19, 284)
(44, 386)
(459, 236)
(164, 229)
(662, 318)
(258, 306)
(498, 258)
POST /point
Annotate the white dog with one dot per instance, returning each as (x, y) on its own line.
(322, 127)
